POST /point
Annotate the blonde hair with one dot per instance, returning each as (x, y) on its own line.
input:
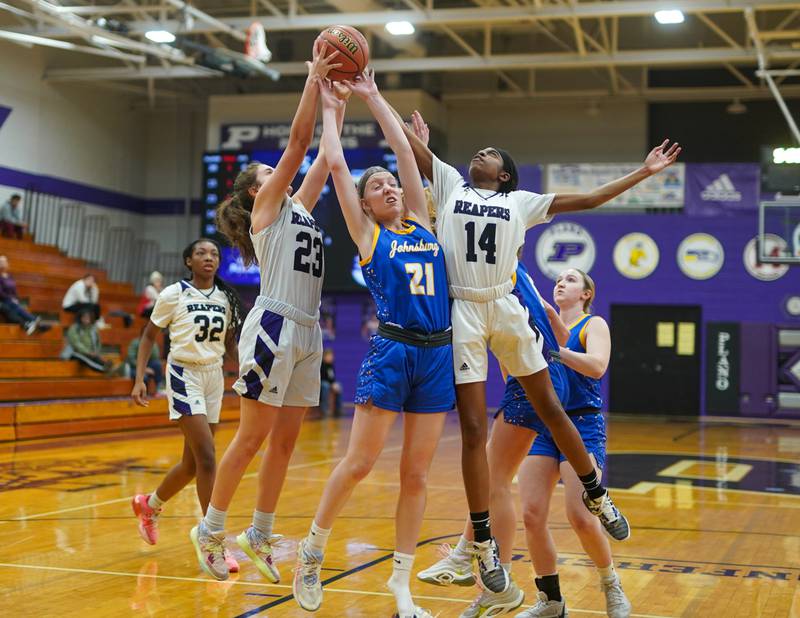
(588, 285)
(156, 276)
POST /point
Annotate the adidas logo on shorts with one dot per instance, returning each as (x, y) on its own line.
(274, 390)
(464, 367)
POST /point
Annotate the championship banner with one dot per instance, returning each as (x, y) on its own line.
(722, 188)
(664, 190)
(275, 135)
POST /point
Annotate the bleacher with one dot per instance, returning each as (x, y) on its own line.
(44, 396)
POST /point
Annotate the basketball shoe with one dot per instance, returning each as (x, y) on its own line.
(545, 608)
(491, 603)
(306, 584)
(210, 550)
(148, 518)
(259, 548)
(613, 520)
(454, 568)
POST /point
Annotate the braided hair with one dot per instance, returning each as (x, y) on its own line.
(235, 302)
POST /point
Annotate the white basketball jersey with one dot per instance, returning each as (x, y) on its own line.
(481, 230)
(291, 259)
(198, 322)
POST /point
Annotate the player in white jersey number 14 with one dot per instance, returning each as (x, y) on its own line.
(481, 224)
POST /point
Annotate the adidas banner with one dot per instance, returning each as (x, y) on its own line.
(718, 188)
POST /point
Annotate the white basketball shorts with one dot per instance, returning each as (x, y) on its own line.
(502, 325)
(194, 389)
(279, 360)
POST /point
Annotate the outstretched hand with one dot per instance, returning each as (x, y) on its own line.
(420, 127)
(660, 157)
(364, 85)
(330, 95)
(321, 61)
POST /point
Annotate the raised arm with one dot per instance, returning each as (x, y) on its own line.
(594, 362)
(657, 160)
(413, 194)
(309, 192)
(270, 195)
(422, 154)
(360, 226)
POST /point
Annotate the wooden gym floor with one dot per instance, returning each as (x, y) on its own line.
(715, 512)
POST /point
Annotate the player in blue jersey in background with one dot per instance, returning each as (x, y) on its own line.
(507, 448)
(409, 366)
(585, 358)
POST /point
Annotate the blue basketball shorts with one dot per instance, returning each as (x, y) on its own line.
(592, 428)
(406, 378)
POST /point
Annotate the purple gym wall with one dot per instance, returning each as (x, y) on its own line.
(732, 295)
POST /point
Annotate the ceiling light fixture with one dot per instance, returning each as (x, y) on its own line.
(669, 16)
(160, 36)
(400, 28)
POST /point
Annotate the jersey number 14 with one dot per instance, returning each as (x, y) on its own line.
(486, 242)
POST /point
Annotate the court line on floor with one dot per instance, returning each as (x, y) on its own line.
(308, 464)
(34, 567)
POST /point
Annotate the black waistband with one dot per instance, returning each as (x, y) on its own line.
(584, 411)
(403, 335)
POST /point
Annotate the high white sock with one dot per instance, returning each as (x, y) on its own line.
(318, 537)
(607, 571)
(263, 522)
(154, 502)
(399, 583)
(462, 548)
(215, 519)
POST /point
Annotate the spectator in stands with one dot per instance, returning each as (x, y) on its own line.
(153, 373)
(84, 295)
(10, 306)
(83, 343)
(11, 223)
(150, 294)
(329, 386)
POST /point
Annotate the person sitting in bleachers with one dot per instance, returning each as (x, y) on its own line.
(11, 223)
(150, 294)
(84, 295)
(10, 306)
(153, 373)
(83, 344)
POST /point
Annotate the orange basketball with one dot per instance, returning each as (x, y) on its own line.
(353, 51)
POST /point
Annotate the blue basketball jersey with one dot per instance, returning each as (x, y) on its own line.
(528, 295)
(407, 278)
(584, 392)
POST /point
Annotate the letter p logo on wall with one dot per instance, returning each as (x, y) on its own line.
(562, 251)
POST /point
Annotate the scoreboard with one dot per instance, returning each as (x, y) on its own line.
(342, 272)
(219, 173)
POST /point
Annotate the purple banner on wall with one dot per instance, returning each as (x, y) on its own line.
(714, 189)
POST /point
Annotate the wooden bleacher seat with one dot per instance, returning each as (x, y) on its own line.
(44, 396)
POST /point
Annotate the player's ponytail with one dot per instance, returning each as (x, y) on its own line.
(235, 302)
(233, 215)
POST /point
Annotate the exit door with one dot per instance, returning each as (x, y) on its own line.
(655, 359)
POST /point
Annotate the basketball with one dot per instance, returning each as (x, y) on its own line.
(353, 51)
